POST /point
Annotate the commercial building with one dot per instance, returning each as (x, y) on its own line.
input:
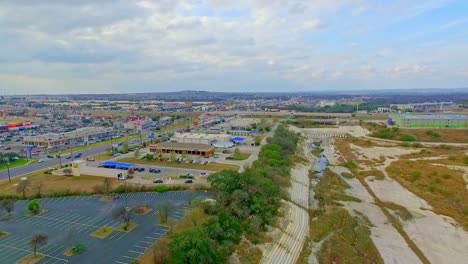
(425, 107)
(428, 121)
(183, 148)
(56, 139)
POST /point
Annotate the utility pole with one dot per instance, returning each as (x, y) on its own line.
(7, 160)
(60, 158)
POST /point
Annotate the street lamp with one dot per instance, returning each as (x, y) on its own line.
(60, 158)
(7, 161)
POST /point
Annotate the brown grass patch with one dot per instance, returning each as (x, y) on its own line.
(443, 188)
(102, 232)
(209, 166)
(445, 135)
(378, 174)
(31, 259)
(53, 184)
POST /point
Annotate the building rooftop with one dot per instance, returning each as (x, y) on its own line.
(183, 146)
(435, 117)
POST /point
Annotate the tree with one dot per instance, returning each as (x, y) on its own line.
(173, 156)
(237, 154)
(38, 188)
(125, 214)
(34, 207)
(131, 172)
(136, 153)
(67, 171)
(22, 187)
(194, 246)
(8, 205)
(163, 212)
(107, 186)
(38, 240)
(257, 140)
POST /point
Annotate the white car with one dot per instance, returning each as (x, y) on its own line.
(40, 161)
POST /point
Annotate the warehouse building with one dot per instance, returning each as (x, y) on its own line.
(57, 139)
(428, 121)
(183, 148)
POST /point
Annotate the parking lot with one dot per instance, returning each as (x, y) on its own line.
(70, 220)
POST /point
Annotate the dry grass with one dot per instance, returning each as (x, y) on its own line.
(401, 211)
(445, 135)
(209, 166)
(102, 232)
(31, 259)
(127, 229)
(443, 188)
(379, 175)
(53, 184)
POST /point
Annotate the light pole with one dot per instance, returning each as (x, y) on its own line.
(7, 161)
(60, 158)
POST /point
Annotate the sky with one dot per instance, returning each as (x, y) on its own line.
(123, 46)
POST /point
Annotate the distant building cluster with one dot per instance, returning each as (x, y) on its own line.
(429, 121)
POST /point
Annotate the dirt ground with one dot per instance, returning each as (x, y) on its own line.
(413, 180)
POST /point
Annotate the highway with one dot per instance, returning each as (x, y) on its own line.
(18, 171)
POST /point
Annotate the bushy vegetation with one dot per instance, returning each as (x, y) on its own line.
(386, 133)
(433, 134)
(78, 249)
(246, 203)
(34, 207)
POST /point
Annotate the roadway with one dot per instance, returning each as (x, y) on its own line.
(48, 163)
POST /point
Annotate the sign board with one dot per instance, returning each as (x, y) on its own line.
(151, 135)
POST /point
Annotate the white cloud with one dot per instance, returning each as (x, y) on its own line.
(172, 43)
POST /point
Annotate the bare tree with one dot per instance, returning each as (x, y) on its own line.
(131, 172)
(163, 212)
(38, 240)
(136, 153)
(125, 214)
(107, 186)
(22, 187)
(8, 205)
(38, 188)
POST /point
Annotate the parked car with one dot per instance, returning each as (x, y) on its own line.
(50, 156)
(158, 181)
(40, 161)
(91, 159)
(189, 181)
(77, 155)
(229, 158)
(121, 177)
(69, 157)
(141, 169)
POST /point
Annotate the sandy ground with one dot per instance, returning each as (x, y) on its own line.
(391, 246)
(438, 237)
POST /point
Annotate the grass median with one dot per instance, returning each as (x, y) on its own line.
(208, 167)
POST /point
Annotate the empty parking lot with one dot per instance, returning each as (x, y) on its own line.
(69, 221)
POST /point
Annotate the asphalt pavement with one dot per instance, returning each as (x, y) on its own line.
(19, 171)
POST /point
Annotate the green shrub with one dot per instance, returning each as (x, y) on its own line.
(78, 249)
(161, 188)
(407, 138)
(149, 157)
(350, 165)
(433, 134)
(34, 207)
(347, 175)
(417, 145)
